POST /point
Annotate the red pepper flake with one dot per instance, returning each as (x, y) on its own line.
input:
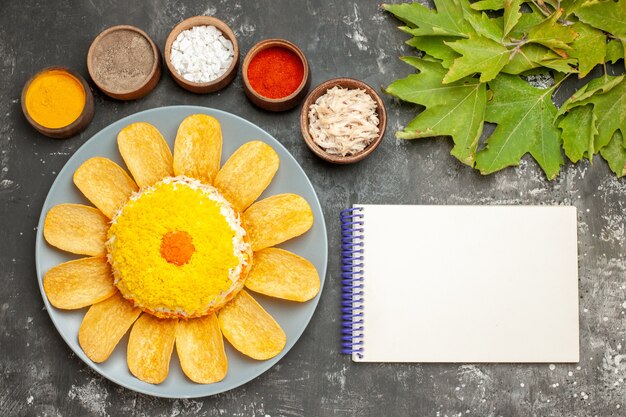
(275, 72)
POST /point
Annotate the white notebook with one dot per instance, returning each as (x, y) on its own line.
(460, 283)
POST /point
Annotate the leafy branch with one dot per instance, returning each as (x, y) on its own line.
(474, 55)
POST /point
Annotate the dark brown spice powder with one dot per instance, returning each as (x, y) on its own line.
(122, 61)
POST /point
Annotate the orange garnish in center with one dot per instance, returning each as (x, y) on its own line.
(177, 248)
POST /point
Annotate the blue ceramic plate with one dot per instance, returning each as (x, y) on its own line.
(293, 317)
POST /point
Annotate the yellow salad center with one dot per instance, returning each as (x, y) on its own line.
(177, 249)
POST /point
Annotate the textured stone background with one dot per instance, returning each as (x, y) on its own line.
(39, 376)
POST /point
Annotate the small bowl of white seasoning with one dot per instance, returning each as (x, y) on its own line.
(343, 120)
(202, 54)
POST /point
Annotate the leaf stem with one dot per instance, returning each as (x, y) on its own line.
(557, 85)
(542, 7)
(516, 43)
(545, 10)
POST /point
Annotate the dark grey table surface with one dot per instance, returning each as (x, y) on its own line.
(40, 376)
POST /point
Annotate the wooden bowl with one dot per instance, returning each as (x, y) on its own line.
(78, 125)
(138, 91)
(276, 104)
(321, 90)
(218, 83)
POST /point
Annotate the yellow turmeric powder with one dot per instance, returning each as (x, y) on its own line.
(55, 99)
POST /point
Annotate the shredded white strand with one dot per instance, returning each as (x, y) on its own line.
(343, 121)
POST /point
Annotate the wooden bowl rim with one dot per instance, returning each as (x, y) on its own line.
(321, 89)
(155, 54)
(189, 23)
(59, 131)
(266, 44)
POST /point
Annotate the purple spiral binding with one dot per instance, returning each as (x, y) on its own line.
(352, 281)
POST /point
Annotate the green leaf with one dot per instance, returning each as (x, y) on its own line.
(552, 34)
(479, 55)
(615, 154)
(532, 56)
(488, 5)
(435, 47)
(456, 109)
(614, 51)
(484, 25)
(596, 86)
(608, 96)
(610, 108)
(606, 15)
(560, 64)
(579, 132)
(511, 14)
(570, 6)
(526, 21)
(446, 20)
(589, 48)
(524, 115)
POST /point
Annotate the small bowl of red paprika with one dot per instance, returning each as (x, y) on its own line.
(276, 75)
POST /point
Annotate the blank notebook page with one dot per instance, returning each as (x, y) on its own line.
(470, 284)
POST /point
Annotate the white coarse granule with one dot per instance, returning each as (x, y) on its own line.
(201, 54)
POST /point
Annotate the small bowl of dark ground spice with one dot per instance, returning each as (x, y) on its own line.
(276, 75)
(124, 62)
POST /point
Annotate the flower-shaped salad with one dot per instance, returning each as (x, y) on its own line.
(171, 250)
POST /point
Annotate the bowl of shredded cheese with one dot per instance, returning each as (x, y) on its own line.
(343, 120)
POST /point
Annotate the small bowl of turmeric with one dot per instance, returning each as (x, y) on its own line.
(57, 102)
